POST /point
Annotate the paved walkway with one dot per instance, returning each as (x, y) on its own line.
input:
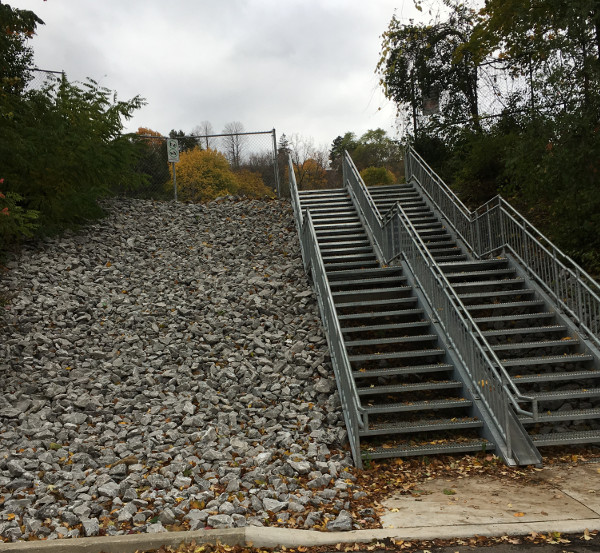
(563, 499)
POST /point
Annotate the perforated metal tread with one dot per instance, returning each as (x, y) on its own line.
(547, 360)
(395, 340)
(512, 318)
(556, 377)
(397, 355)
(405, 388)
(385, 327)
(420, 426)
(559, 438)
(558, 416)
(530, 345)
(525, 330)
(399, 371)
(427, 449)
(565, 394)
(387, 301)
(507, 305)
(418, 406)
(379, 314)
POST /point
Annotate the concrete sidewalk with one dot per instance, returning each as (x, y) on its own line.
(562, 499)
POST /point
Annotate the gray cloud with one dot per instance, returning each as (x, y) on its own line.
(302, 66)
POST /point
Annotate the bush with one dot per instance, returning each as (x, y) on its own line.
(252, 185)
(203, 175)
(377, 176)
(15, 222)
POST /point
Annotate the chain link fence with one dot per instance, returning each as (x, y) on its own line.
(245, 163)
(38, 78)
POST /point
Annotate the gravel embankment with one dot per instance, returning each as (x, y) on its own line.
(166, 369)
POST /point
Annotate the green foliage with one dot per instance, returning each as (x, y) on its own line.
(15, 221)
(377, 176)
(16, 27)
(186, 142)
(62, 149)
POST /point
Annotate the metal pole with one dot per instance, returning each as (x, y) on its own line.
(276, 165)
(174, 181)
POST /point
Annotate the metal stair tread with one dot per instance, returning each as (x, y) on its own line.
(547, 360)
(512, 318)
(395, 289)
(525, 330)
(367, 303)
(530, 345)
(496, 293)
(427, 449)
(397, 371)
(556, 377)
(396, 355)
(396, 340)
(555, 416)
(573, 437)
(507, 305)
(560, 394)
(373, 314)
(480, 283)
(417, 406)
(431, 425)
(387, 271)
(384, 327)
(403, 388)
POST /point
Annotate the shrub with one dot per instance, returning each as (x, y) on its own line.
(377, 176)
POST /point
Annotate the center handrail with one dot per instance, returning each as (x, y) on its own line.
(397, 236)
(354, 413)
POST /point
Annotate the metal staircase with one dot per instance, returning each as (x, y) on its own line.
(548, 363)
(450, 330)
(412, 399)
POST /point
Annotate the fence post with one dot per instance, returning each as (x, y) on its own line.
(174, 180)
(276, 165)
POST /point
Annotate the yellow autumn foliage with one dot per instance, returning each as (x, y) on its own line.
(250, 184)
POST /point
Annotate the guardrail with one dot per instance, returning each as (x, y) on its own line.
(497, 226)
(354, 414)
(398, 238)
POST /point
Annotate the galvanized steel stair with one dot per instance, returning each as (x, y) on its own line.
(539, 347)
(414, 402)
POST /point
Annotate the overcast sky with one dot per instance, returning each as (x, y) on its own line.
(299, 66)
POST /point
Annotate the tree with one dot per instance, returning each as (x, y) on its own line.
(16, 28)
(340, 144)
(234, 143)
(377, 176)
(251, 184)
(204, 131)
(153, 161)
(185, 141)
(203, 175)
(310, 163)
(424, 66)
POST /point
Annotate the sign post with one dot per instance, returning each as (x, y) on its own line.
(173, 157)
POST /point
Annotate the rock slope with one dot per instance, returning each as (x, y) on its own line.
(165, 368)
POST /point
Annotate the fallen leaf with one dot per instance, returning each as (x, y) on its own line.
(519, 514)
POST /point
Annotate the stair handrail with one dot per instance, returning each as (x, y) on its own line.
(574, 290)
(456, 213)
(499, 226)
(462, 331)
(354, 413)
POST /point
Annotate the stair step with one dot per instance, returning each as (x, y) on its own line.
(476, 265)
(547, 360)
(385, 341)
(507, 305)
(565, 394)
(349, 257)
(497, 293)
(411, 300)
(470, 274)
(395, 291)
(396, 355)
(513, 318)
(346, 265)
(346, 238)
(360, 276)
(532, 345)
(385, 327)
(525, 330)
(560, 438)
(402, 371)
(432, 425)
(372, 315)
(406, 388)
(561, 416)
(485, 283)
(326, 253)
(447, 448)
(346, 244)
(433, 405)
(555, 377)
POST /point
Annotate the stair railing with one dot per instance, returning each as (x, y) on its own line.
(497, 226)
(354, 413)
(398, 238)
(500, 227)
